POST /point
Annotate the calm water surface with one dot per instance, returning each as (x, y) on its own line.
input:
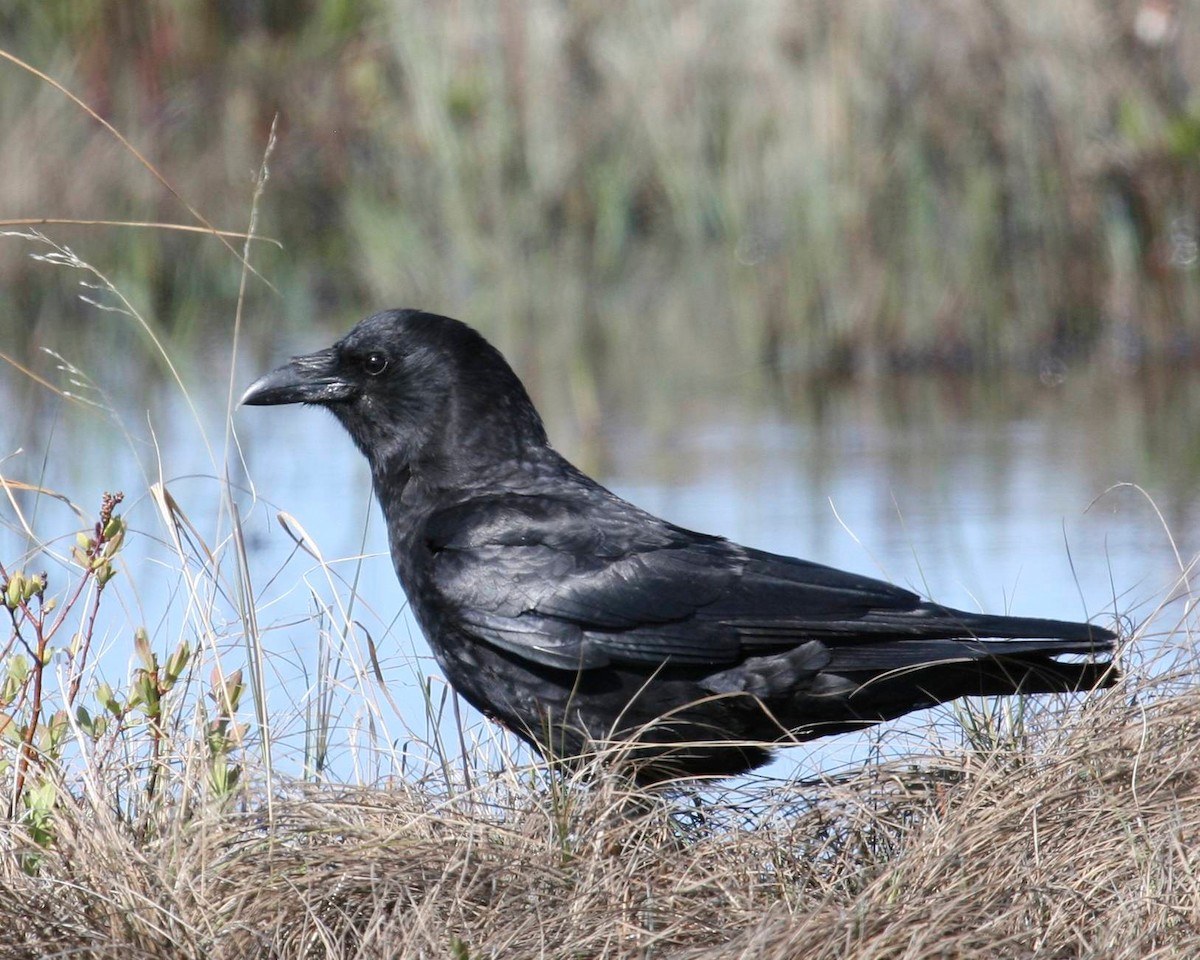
(999, 496)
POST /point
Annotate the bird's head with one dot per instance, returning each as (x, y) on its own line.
(416, 391)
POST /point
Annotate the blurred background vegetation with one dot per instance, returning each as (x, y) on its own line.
(812, 188)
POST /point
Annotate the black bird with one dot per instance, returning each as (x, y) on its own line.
(575, 618)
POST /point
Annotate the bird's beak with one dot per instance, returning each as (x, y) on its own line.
(309, 379)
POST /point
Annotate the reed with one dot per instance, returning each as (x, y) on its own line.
(813, 189)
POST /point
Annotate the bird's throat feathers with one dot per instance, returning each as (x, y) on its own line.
(456, 445)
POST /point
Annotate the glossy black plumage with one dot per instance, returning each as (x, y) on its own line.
(574, 617)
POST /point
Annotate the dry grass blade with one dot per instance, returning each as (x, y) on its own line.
(40, 381)
(153, 170)
(137, 224)
(9, 485)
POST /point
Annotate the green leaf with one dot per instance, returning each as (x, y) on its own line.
(114, 527)
(106, 699)
(15, 590)
(141, 644)
(18, 667)
(177, 662)
(41, 796)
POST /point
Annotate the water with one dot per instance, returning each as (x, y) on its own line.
(1006, 496)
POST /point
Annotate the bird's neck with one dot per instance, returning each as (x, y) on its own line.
(409, 488)
(395, 488)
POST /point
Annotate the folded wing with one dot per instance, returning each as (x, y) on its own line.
(576, 585)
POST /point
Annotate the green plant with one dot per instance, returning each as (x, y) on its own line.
(36, 623)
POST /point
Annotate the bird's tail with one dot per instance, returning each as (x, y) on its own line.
(932, 621)
(955, 668)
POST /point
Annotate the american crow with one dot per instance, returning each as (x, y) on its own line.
(574, 618)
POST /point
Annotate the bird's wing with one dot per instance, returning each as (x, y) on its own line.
(579, 583)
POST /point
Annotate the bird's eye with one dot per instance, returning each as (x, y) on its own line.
(375, 363)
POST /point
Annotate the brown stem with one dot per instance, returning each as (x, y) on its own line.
(28, 754)
(85, 644)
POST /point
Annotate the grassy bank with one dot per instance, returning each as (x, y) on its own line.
(1060, 830)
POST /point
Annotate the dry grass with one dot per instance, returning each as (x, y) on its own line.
(1082, 843)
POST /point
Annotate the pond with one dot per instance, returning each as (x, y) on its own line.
(1068, 496)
